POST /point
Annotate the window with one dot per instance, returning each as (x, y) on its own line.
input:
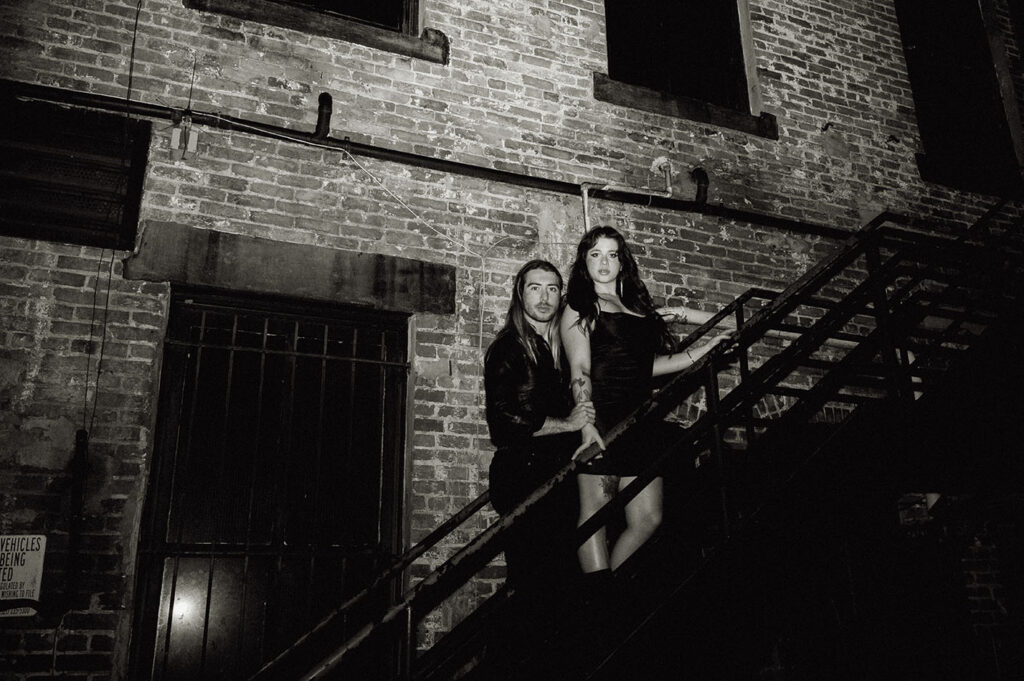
(71, 175)
(686, 58)
(391, 25)
(963, 96)
(276, 485)
(690, 49)
(389, 14)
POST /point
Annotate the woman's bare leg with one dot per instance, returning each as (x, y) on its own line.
(595, 492)
(643, 515)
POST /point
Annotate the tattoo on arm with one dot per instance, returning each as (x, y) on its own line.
(581, 389)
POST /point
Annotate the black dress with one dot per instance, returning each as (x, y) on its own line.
(622, 350)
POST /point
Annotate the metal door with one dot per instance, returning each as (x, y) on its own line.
(276, 483)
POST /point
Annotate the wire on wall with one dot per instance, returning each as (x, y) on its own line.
(87, 419)
(366, 171)
(79, 465)
(103, 336)
(419, 218)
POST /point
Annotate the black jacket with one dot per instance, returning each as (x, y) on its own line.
(521, 394)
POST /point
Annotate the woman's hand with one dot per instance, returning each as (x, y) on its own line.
(590, 436)
(721, 338)
(727, 341)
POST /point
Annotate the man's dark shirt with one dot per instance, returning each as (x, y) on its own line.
(521, 394)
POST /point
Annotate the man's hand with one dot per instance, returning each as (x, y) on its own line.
(581, 415)
(590, 436)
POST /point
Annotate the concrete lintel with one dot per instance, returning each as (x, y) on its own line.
(180, 254)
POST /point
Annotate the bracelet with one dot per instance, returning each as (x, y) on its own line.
(688, 354)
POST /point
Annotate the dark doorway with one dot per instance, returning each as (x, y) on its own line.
(277, 479)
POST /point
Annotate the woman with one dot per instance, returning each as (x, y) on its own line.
(615, 343)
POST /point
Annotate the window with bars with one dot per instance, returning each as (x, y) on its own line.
(276, 484)
(69, 174)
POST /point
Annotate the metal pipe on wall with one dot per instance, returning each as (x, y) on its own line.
(663, 200)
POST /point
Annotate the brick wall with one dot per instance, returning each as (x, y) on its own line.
(54, 300)
(516, 96)
(991, 563)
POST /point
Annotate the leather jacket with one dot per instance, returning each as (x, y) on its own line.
(521, 394)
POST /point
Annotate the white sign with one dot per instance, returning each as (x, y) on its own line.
(21, 572)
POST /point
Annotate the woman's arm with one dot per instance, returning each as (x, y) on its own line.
(510, 417)
(677, 361)
(577, 351)
(690, 315)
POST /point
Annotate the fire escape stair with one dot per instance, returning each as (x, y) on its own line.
(859, 337)
(881, 451)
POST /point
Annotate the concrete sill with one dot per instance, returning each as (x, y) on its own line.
(636, 97)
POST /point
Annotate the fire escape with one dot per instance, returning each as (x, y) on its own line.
(821, 419)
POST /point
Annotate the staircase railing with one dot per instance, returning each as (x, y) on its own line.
(907, 306)
(868, 320)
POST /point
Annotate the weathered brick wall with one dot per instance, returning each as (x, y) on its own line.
(53, 301)
(515, 96)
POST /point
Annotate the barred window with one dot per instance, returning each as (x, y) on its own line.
(277, 483)
(389, 14)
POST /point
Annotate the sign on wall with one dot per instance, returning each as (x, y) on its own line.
(21, 573)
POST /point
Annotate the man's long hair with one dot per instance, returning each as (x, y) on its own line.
(630, 288)
(516, 321)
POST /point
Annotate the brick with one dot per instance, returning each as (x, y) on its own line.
(521, 102)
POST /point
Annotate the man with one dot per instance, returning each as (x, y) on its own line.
(532, 424)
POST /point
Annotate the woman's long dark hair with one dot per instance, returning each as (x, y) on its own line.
(630, 288)
(516, 321)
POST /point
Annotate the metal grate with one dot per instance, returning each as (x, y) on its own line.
(276, 484)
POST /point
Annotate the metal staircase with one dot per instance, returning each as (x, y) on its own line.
(869, 329)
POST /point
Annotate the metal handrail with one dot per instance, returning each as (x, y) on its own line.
(397, 568)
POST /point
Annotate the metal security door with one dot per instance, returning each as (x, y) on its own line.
(276, 484)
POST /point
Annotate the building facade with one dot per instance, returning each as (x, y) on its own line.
(284, 233)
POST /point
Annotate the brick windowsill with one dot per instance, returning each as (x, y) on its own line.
(645, 99)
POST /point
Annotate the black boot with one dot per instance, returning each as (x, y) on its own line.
(594, 588)
(586, 624)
